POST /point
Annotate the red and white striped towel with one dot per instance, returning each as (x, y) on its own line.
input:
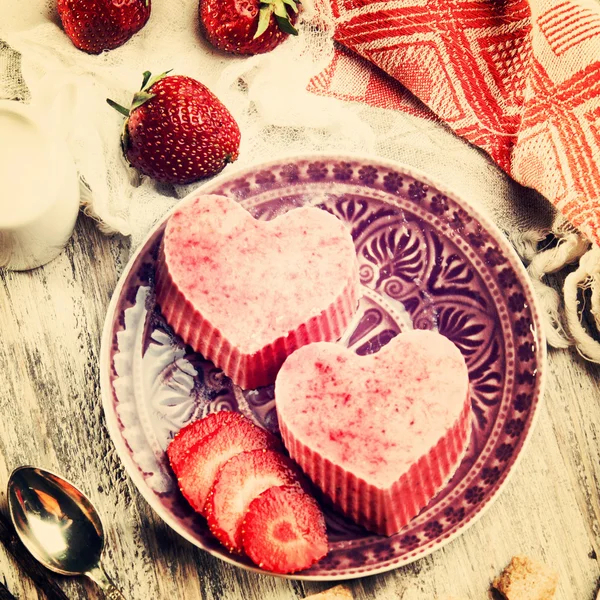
(519, 79)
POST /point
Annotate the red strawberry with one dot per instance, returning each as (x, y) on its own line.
(97, 25)
(247, 26)
(204, 459)
(194, 432)
(177, 130)
(240, 480)
(284, 530)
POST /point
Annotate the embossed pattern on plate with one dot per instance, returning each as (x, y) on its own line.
(428, 261)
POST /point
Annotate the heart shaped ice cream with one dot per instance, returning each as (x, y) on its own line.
(380, 435)
(247, 293)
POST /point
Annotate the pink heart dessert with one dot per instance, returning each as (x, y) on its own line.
(247, 293)
(382, 434)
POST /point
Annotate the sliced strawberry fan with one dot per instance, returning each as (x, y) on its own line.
(238, 483)
(233, 473)
(197, 430)
(205, 458)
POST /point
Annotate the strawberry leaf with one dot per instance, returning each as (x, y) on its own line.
(153, 80)
(264, 19)
(147, 76)
(118, 107)
(280, 10)
(140, 98)
(292, 4)
(285, 25)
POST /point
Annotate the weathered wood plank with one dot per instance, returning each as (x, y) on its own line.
(51, 416)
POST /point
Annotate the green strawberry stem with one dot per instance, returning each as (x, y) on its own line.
(118, 107)
(278, 8)
(149, 81)
(140, 97)
(285, 25)
(146, 78)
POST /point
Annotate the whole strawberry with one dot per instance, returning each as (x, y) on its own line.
(247, 26)
(177, 130)
(98, 25)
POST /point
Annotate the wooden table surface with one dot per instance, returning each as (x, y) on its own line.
(51, 416)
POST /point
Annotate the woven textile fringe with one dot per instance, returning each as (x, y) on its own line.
(587, 276)
(563, 317)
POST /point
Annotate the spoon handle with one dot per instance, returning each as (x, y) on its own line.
(99, 576)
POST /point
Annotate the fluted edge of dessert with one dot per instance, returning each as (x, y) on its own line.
(386, 511)
(249, 370)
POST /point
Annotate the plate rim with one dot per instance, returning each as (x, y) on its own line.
(486, 221)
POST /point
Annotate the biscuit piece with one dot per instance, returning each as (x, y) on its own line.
(526, 579)
(339, 592)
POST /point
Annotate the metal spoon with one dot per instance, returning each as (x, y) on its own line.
(58, 525)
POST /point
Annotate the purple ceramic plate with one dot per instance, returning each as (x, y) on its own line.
(427, 260)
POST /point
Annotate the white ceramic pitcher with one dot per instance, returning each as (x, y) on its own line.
(39, 189)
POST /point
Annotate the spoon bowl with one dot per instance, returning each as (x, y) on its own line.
(58, 524)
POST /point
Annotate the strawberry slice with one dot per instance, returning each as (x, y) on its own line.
(195, 431)
(206, 456)
(239, 482)
(284, 530)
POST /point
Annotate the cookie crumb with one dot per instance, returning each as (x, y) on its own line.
(526, 579)
(339, 592)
